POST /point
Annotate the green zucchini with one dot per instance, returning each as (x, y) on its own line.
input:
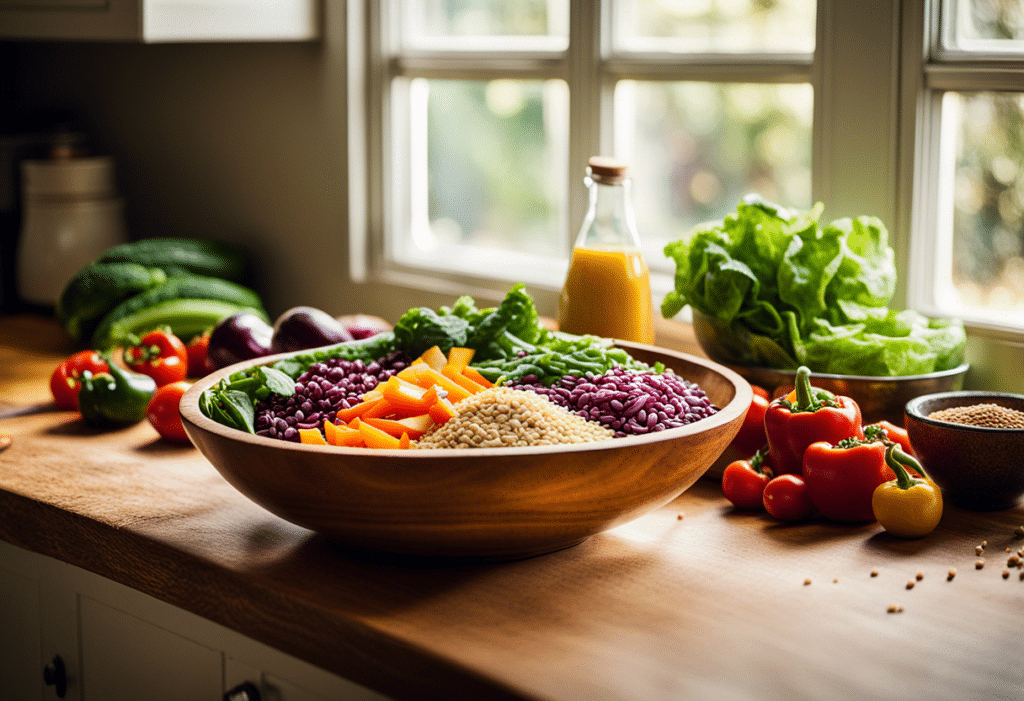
(186, 318)
(96, 289)
(197, 256)
(175, 288)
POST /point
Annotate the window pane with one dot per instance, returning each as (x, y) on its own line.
(695, 149)
(718, 26)
(430, 20)
(982, 259)
(985, 25)
(487, 169)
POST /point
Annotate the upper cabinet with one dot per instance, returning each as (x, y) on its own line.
(155, 21)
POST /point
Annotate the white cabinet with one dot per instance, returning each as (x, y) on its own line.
(160, 20)
(119, 644)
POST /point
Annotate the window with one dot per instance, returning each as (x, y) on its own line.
(969, 202)
(488, 112)
(482, 115)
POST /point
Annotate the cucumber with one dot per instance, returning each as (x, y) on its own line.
(186, 318)
(96, 289)
(176, 288)
(198, 256)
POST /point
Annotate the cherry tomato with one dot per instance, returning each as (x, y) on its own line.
(196, 348)
(163, 414)
(751, 436)
(159, 354)
(785, 498)
(743, 482)
(65, 380)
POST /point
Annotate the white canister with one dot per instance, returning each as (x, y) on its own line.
(70, 216)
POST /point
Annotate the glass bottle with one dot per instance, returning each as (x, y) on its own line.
(607, 291)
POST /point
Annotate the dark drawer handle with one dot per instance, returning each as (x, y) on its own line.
(246, 691)
(56, 676)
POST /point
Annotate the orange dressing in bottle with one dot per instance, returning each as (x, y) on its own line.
(607, 291)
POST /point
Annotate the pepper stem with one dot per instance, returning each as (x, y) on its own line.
(804, 392)
(895, 458)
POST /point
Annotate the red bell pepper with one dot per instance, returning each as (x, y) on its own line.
(894, 434)
(805, 416)
(841, 479)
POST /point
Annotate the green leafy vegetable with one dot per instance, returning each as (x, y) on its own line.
(773, 288)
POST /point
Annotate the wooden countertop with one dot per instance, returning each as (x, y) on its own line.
(712, 605)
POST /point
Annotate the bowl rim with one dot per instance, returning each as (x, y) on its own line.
(958, 370)
(913, 410)
(189, 410)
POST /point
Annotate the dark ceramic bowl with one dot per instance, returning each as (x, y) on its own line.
(977, 467)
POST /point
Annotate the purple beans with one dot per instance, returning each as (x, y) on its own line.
(629, 402)
(321, 392)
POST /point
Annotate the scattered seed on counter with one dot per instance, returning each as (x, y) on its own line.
(910, 584)
(500, 417)
(874, 573)
(1019, 531)
(1022, 576)
(979, 563)
(679, 517)
(979, 550)
(1013, 561)
(893, 608)
(807, 582)
(1006, 550)
(984, 543)
(1006, 574)
(919, 576)
(950, 574)
(836, 580)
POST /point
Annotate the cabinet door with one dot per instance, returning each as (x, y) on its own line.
(21, 677)
(126, 659)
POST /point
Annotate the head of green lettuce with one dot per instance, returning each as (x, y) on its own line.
(780, 291)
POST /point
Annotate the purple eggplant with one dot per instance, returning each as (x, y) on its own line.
(301, 328)
(239, 337)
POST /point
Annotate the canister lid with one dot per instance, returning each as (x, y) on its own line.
(91, 176)
(607, 169)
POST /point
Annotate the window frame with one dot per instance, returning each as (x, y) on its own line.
(929, 70)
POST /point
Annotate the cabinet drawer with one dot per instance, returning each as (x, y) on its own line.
(126, 659)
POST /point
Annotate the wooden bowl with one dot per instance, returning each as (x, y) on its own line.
(977, 467)
(496, 503)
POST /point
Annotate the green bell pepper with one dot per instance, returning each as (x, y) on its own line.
(116, 397)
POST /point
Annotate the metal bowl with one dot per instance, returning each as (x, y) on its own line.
(879, 398)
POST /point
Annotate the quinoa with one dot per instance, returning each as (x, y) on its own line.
(986, 415)
(501, 417)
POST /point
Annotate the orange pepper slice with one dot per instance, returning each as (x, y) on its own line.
(458, 358)
(407, 397)
(342, 435)
(442, 411)
(434, 357)
(477, 377)
(404, 441)
(347, 415)
(461, 380)
(311, 436)
(417, 425)
(433, 377)
(388, 426)
(375, 438)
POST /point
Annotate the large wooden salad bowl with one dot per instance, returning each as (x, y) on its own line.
(497, 503)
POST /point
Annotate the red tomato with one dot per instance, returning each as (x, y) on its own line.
(785, 498)
(751, 436)
(743, 485)
(159, 354)
(65, 380)
(761, 392)
(196, 348)
(163, 414)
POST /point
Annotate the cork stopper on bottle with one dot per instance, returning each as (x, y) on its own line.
(606, 169)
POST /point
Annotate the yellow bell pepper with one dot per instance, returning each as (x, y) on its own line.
(908, 506)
